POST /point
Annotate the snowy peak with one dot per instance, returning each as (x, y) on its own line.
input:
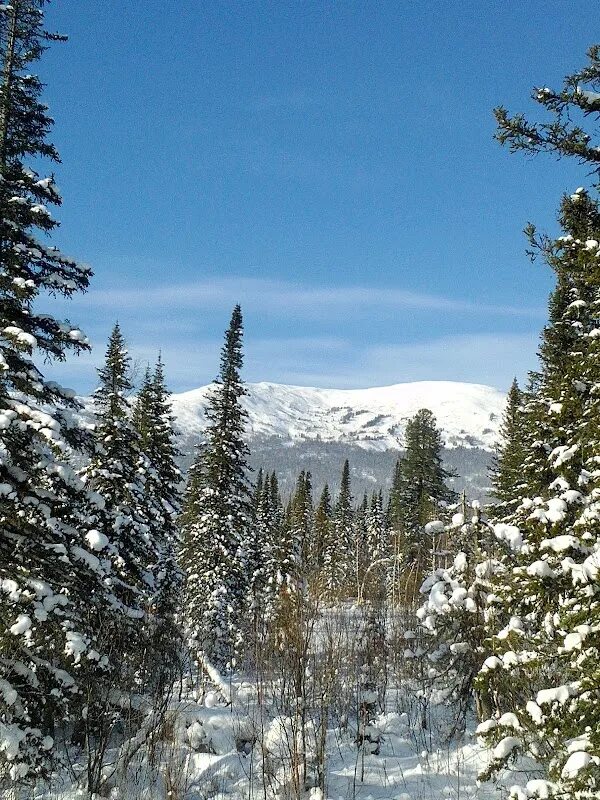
(468, 414)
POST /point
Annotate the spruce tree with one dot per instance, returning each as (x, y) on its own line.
(301, 533)
(142, 415)
(419, 492)
(257, 556)
(423, 479)
(119, 472)
(339, 555)
(360, 542)
(543, 672)
(507, 468)
(396, 498)
(48, 571)
(153, 420)
(291, 547)
(218, 514)
(377, 549)
(271, 518)
(322, 532)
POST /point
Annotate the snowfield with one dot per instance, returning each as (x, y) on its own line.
(224, 748)
(468, 414)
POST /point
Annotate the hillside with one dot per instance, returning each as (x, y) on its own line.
(294, 427)
(374, 419)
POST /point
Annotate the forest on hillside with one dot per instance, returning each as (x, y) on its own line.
(202, 636)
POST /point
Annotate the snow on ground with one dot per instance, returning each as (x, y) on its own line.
(210, 749)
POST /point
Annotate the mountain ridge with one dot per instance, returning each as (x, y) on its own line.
(468, 415)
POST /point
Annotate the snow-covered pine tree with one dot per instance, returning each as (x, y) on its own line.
(544, 671)
(544, 668)
(119, 471)
(339, 555)
(377, 528)
(378, 550)
(291, 549)
(302, 528)
(218, 514)
(49, 576)
(271, 517)
(122, 475)
(153, 420)
(453, 619)
(359, 542)
(322, 530)
(142, 409)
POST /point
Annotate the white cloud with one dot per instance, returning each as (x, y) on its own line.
(281, 298)
(332, 336)
(333, 362)
(488, 358)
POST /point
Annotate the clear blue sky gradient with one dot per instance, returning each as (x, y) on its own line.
(330, 166)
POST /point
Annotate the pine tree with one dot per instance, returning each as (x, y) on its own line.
(561, 136)
(218, 514)
(397, 498)
(322, 532)
(153, 420)
(49, 574)
(302, 528)
(544, 669)
(339, 555)
(377, 549)
(142, 415)
(419, 492)
(291, 548)
(118, 471)
(423, 478)
(507, 469)
(360, 541)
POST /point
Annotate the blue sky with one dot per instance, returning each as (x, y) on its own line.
(328, 165)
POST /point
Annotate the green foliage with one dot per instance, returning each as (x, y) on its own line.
(419, 492)
(218, 514)
(339, 551)
(507, 470)
(52, 578)
(563, 135)
(543, 671)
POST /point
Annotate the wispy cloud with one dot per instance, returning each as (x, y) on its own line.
(492, 359)
(267, 296)
(324, 336)
(489, 358)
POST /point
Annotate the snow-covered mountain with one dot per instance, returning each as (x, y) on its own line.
(373, 419)
(294, 428)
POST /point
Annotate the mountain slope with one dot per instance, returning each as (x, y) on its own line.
(469, 415)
